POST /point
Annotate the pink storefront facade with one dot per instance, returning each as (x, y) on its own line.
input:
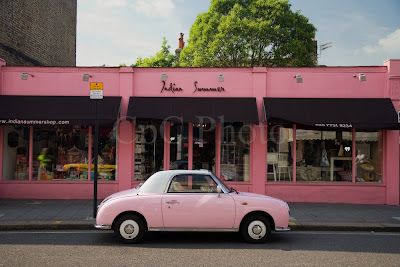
(343, 165)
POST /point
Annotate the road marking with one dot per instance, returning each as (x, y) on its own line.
(280, 233)
(58, 232)
(292, 224)
(1, 215)
(293, 219)
(340, 233)
(34, 203)
(397, 218)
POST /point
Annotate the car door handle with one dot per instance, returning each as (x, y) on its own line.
(173, 202)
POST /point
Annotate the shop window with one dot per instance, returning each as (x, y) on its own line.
(323, 156)
(60, 153)
(235, 152)
(179, 147)
(149, 148)
(369, 157)
(204, 146)
(279, 153)
(107, 162)
(16, 152)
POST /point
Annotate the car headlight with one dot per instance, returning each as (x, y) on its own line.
(288, 208)
(104, 201)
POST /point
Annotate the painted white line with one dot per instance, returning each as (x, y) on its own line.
(57, 232)
(339, 233)
(34, 203)
(397, 218)
(1, 215)
(281, 233)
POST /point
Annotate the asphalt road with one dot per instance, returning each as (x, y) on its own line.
(99, 248)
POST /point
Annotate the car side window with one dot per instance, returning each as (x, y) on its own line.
(192, 184)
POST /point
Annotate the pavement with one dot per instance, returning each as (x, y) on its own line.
(45, 214)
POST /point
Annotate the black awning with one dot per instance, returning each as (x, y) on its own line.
(194, 109)
(57, 110)
(333, 113)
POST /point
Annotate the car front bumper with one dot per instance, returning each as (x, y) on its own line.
(102, 226)
(282, 229)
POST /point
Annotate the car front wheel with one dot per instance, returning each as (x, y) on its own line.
(256, 229)
(129, 229)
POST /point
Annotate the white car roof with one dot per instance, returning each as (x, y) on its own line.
(172, 172)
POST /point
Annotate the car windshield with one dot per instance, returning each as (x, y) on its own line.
(228, 188)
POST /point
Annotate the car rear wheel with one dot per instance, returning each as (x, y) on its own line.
(256, 229)
(129, 229)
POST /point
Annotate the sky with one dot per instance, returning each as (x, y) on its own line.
(112, 32)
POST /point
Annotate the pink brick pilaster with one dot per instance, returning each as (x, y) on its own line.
(125, 132)
(258, 145)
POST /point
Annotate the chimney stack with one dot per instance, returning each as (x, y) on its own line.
(181, 45)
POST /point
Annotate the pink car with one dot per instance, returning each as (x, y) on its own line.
(184, 200)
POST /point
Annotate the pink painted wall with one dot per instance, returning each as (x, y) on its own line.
(328, 193)
(241, 82)
(55, 190)
(326, 82)
(58, 81)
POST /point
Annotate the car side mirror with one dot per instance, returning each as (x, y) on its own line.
(219, 190)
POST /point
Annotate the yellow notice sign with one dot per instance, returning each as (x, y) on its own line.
(96, 86)
(96, 90)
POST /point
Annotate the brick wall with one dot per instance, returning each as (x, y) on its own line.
(38, 32)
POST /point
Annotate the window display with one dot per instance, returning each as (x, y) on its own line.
(16, 152)
(279, 153)
(323, 156)
(149, 148)
(179, 147)
(60, 153)
(235, 152)
(369, 157)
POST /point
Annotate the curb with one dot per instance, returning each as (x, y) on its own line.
(47, 225)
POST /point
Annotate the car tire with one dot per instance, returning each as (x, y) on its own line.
(129, 229)
(256, 229)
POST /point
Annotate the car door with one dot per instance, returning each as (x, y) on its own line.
(192, 201)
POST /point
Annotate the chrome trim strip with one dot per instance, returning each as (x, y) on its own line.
(102, 226)
(281, 229)
(186, 229)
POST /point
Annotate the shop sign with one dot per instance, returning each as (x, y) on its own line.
(96, 90)
(172, 88)
(334, 125)
(207, 89)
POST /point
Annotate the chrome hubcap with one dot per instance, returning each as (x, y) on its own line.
(129, 229)
(257, 229)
